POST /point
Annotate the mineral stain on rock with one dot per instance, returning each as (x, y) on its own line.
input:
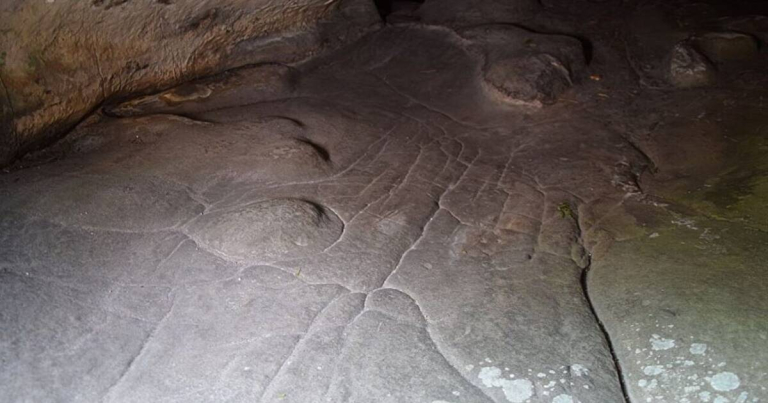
(248, 84)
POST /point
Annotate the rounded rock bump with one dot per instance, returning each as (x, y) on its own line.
(268, 230)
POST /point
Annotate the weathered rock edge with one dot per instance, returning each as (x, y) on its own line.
(60, 60)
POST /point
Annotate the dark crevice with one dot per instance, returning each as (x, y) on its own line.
(320, 150)
(584, 280)
(387, 7)
(606, 335)
(651, 164)
(41, 151)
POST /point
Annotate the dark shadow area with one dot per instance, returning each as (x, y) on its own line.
(387, 7)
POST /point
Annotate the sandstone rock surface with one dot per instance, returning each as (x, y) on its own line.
(724, 47)
(268, 230)
(525, 68)
(375, 226)
(59, 60)
(688, 68)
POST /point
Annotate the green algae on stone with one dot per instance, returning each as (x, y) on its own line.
(739, 192)
(565, 210)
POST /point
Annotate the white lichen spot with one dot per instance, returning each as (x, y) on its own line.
(724, 381)
(705, 396)
(685, 222)
(653, 370)
(721, 399)
(541, 375)
(659, 343)
(698, 348)
(469, 367)
(707, 236)
(562, 399)
(642, 383)
(579, 370)
(488, 375)
(691, 389)
(456, 393)
(551, 384)
(516, 391)
(742, 397)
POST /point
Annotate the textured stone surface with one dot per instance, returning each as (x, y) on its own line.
(701, 328)
(688, 68)
(525, 68)
(250, 84)
(268, 230)
(115, 202)
(375, 225)
(61, 59)
(726, 47)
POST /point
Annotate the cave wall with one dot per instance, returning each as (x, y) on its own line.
(61, 59)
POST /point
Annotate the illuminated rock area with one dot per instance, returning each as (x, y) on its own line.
(478, 202)
(61, 59)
